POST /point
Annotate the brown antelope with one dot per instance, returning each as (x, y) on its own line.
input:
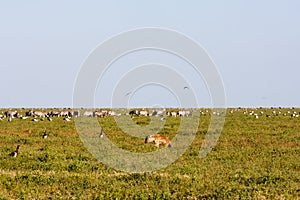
(158, 139)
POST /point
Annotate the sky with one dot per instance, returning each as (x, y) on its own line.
(254, 45)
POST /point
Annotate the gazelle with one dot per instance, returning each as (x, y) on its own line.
(158, 139)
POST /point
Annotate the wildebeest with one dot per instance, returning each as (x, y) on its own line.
(172, 114)
(39, 114)
(54, 114)
(11, 114)
(102, 113)
(143, 113)
(113, 113)
(158, 113)
(76, 113)
(65, 114)
(29, 113)
(154, 113)
(89, 114)
(134, 112)
(185, 113)
(67, 119)
(32, 113)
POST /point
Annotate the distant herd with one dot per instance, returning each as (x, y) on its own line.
(40, 115)
(156, 139)
(68, 114)
(269, 113)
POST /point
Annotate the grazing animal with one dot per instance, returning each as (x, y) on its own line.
(173, 114)
(158, 139)
(89, 114)
(16, 152)
(54, 114)
(29, 113)
(103, 113)
(76, 114)
(65, 114)
(39, 114)
(134, 112)
(11, 114)
(67, 119)
(144, 113)
(154, 113)
(185, 113)
(158, 113)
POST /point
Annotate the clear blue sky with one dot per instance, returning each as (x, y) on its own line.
(254, 44)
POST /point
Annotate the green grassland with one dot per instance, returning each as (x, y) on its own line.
(253, 159)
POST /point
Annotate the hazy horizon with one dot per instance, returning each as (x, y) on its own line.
(254, 45)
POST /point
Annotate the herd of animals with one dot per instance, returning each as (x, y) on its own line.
(156, 139)
(36, 116)
(68, 114)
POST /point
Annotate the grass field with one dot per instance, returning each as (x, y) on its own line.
(255, 158)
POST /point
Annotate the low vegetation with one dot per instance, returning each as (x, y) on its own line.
(255, 158)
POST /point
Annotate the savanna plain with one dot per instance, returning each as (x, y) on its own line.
(257, 156)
